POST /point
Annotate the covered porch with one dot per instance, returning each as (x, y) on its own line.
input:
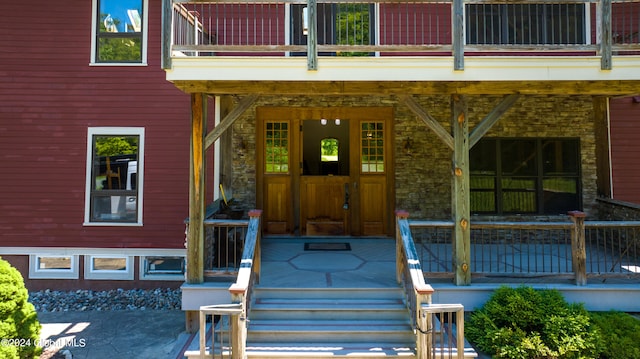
(284, 283)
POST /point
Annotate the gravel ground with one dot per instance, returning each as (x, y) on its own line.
(118, 299)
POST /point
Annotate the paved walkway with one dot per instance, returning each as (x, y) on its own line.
(135, 334)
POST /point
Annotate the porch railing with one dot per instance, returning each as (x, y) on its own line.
(232, 326)
(410, 28)
(432, 323)
(223, 246)
(566, 249)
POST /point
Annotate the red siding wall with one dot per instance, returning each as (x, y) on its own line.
(625, 148)
(49, 96)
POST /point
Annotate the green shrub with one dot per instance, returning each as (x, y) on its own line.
(527, 323)
(19, 326)
(620, 334)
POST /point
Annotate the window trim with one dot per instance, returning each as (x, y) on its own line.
(94, 44)
(37, 273)
(114, 131)
(106, 274)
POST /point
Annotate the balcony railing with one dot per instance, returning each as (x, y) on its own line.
(354, 28)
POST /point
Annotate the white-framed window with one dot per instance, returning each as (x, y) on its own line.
(162, 267)
(47, 266)
(108, 267)
(119, 32)
(115, 173)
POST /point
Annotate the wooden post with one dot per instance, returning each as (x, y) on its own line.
(167, 14)
(603, 143)
(460, 196)
(239, 335)
(195, 236)
(458, 34)
(424, 321)
(606, 35)
(195, 240)
(312, 35)
(578, 248)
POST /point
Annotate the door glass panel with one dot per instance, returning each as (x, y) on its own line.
(329, 150)
(277, 147)
(372, 147)
(325, 147)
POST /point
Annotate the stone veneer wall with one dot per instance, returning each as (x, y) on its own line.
(423, 173)
(612, 210)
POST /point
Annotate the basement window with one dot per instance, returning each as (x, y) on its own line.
(162, 268)
(108, 267)
(53, 267)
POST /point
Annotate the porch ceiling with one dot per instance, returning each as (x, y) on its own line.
(614, 88)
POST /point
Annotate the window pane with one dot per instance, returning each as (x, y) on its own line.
(277, 147)
(119, 264)
(519, 195)
(372, 147)
(512, 183)
(560, 157)
(119, 37)
(54, 263)
(483, 201)
(482, 158)
(120, 49)
(164, 265)
(114, 178)
(329, 150)
(519, 202)
(117, 16)
(518, 157)
(560, 195)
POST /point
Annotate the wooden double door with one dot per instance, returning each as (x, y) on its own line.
(325, 171)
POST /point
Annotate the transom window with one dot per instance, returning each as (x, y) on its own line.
(114, 175)
(525, 24)
(119, 31)
(525, 176)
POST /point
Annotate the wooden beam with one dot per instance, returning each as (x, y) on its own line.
(377, 88)
(461, 193)
(492, 118)
(432, 123)
(242, 106)
(195, 238)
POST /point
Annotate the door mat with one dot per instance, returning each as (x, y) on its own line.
(327, 246)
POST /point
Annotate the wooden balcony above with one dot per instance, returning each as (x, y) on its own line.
(539, 46)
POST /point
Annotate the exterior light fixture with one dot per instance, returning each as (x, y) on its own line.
(323, 121)
(337, 122)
